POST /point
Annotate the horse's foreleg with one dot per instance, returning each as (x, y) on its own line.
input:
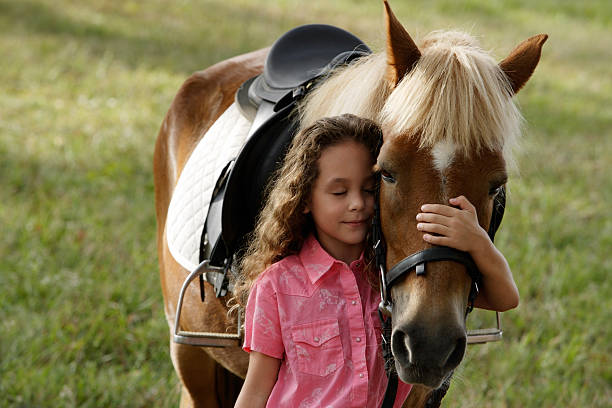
(205, 384)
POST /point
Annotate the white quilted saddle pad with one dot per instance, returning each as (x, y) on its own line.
(193, 191)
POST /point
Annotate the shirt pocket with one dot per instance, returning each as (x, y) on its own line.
(318, 347)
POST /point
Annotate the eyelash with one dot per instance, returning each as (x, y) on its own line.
(387, 177)
(495, 191)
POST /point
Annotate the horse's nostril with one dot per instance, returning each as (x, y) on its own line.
(456, 355)
(400, 344)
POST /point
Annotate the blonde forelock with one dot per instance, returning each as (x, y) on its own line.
(456, 92)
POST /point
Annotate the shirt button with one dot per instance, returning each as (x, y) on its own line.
(316, 339)
(354, 302)
(360, 375)
(358, 339)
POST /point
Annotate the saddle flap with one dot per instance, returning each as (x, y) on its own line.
(256, 163)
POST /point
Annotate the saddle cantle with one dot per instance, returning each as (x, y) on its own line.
(295, 62)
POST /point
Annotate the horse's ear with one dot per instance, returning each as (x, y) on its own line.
(522, 61)
(402, 52)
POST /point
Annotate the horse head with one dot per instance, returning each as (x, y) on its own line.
(449, 125)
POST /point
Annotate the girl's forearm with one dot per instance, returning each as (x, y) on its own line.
(260, 379)
(498, 291)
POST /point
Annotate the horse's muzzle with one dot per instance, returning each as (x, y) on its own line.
(426, 359)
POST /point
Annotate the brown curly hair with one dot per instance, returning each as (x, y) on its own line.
(282, 225)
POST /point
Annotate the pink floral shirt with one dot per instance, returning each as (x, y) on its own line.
(320, 317)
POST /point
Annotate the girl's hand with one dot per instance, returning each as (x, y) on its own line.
(458, 228)
(453, 227)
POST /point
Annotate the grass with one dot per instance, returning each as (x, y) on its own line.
(85, 86)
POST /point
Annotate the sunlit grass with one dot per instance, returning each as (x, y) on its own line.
(85, 86)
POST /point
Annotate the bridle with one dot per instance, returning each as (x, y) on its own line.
(418, 260)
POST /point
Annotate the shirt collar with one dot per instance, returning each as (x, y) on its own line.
(317, 262)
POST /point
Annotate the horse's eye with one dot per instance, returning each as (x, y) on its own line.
(494, 191)
(387, 177)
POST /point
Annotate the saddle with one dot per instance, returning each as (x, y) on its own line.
(296, 61)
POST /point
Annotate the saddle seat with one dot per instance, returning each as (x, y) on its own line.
(296, 58)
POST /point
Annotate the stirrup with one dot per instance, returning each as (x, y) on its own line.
(480, 336)
(205, 339)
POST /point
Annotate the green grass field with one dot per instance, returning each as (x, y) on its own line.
(84, 87)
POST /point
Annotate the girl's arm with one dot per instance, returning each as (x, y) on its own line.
(260, 379)
(458, 228)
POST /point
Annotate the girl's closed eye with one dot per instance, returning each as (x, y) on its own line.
(339, 193)
(369, 190)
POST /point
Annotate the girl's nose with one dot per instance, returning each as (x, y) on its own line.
(357, 202)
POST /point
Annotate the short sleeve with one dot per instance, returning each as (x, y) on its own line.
(262, 331)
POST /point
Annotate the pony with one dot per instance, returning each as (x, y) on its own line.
(450, 126)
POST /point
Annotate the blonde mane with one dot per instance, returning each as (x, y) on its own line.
(359, 89)
(455, 93)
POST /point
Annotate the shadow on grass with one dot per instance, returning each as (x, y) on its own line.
(176, 47)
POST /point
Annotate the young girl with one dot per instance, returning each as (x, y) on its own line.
(311, 320)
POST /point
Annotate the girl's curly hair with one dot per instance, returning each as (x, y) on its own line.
(282, 225)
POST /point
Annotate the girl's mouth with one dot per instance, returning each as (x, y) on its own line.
(357, 222)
